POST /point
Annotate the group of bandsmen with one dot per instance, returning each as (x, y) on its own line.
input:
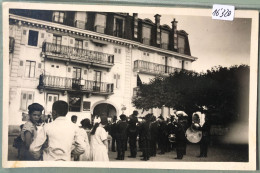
(150, 133)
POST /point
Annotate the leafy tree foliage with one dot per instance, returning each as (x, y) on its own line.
(224, 92)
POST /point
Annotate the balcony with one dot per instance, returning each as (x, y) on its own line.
(73, 54)
(71, 84)
(153, 68)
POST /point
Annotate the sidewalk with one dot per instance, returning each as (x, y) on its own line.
(216, 153)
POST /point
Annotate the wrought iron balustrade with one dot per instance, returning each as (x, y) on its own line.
(153, 68)
(64, 83)
(73, 53)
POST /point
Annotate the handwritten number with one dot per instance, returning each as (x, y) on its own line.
(223, 12)
(228, 13)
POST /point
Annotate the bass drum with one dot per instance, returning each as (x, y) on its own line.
(194, 136)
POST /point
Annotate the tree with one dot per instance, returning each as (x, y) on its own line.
(223, 91)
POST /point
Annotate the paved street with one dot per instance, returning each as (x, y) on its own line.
(216, 153)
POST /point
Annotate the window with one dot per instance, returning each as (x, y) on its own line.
(86, 106)
(76, 73)
(74, 103)
(164, 40)
(58, 17)
(117, 50)
(117, 80)
(30, 69)
(80, 19)
(146, 35)
(181, 44)
(100, 23)
(118, 27)
(56, 43)
(26, 100)
(79, 44)
(33, 38)
(97, 82)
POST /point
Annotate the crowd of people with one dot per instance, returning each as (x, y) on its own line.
(59, 139)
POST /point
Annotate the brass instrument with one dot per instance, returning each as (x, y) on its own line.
(193, 134)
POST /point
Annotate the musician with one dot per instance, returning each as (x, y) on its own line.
(184, 122)
(154, 136)
(163, 135)
(132, 133)
(113, 133)
(205, 138)
(180, 138)
(121, 137)
(146, 136)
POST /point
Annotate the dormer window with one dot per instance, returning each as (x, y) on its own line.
(146, 39)
(80, 19)
(100, 23)
(181, 44)
(164, 40)
(119, 27)
(58, 17)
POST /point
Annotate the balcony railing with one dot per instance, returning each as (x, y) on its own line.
(77, 54)
(153, 68)
(64, 83)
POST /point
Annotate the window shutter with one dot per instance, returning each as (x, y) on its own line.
(24, 36)
(41, 38)
(49, 37)
(71, 42)
(20, 69)
(65, 40)
(85, 44)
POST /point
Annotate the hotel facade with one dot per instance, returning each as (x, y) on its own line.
(95, 61)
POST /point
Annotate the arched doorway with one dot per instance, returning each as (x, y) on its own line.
(104, 109)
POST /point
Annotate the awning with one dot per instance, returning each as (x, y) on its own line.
(145, 78)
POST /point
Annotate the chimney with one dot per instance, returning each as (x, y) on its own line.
(175, 36)
(158, 32)
(135, 16)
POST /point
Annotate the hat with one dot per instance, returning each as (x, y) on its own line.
(148, 116)
(122, 117)
(135, 112)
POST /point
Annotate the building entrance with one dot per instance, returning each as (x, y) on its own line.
(104, 109)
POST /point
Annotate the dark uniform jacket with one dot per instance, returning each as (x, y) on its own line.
(121, 130)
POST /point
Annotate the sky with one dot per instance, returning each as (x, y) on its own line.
(213, 42)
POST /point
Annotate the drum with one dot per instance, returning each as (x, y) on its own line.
(172, 138)
(194, 136)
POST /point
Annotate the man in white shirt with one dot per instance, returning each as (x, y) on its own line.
(61, 135)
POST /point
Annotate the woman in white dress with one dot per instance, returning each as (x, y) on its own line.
(85, 126)
(98, 140)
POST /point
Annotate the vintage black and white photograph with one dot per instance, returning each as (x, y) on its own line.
(128, 87)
